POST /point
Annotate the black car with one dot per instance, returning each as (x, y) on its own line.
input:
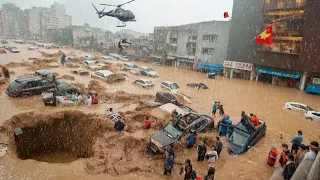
(190, 122)
(29, 86)
(198, 85)
(164, 98)
(63, 89)
(242, 137)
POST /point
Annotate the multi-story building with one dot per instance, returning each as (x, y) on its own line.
(143, 45)
(204, 41)
(66, 21)
(293, 58)
(83, 35)
(13, 21)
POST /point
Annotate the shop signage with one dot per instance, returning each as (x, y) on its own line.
(238, 65)
(186, 60)
(277, 73)
(316, 81)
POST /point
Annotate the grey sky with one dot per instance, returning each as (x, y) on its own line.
(149, 13)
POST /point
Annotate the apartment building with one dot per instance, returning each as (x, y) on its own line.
(12, 21)
(292, 59)
(205, 42)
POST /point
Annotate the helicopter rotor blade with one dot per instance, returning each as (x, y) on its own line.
(125, 3)
(109, 5)
(95, 7)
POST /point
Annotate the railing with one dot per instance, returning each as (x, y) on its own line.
(288, 4)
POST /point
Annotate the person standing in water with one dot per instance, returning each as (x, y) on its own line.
(202, 150)
(272, 155)
(168, 163)
(221, 110)
(63, 59)
(214, 108)
(218, 146)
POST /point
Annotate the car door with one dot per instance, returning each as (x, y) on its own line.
(44, 84)
(31, 88)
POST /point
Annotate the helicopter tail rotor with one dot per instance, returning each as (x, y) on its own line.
(98, 12)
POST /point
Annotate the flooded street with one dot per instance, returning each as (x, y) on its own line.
(266, 101)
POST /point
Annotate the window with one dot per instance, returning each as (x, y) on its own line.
(45, 82)
(142, 82)
(191, 45)
(169, 96)
(207, 51)
(174, 86)
(165, 84)
(192, 38)
(284, 4)
(15, 85)
(99, 74)
(210, 38)
(31, 84)
(316, 114)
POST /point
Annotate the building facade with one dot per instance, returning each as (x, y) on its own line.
(13, 21)
(292, 59)
(191, 43)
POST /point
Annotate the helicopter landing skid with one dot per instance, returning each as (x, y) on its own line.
(122, 25)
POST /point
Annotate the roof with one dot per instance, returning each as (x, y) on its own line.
(169, 82)
(106, 73)
(29, 78)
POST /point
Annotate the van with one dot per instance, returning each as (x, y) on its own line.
(129, 66)
(29, 86)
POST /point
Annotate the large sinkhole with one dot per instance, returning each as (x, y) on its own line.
(59, 138)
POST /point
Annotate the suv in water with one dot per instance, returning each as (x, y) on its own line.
(173, 132)
(29, 86)
(62, 90)
(243, 137)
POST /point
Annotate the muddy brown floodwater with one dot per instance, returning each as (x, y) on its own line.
(124, 156)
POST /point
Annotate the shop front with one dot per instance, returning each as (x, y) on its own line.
(186, 63)
(239, 70)
(208, 67)
(278, 77)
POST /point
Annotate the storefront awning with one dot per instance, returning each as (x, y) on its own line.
(278, 73)
(209, 67)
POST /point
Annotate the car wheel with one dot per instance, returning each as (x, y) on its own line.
(289, 109)
(309, 118)
(144, 86)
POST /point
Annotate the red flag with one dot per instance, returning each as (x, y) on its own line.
(266, 36)
(226, 14)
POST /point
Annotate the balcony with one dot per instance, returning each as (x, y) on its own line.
(284, 45)
(273, 5)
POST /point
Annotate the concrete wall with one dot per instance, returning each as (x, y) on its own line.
(314, 173)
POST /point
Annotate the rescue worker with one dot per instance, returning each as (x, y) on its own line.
(296, 141)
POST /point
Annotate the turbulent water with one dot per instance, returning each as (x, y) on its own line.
(236, 95)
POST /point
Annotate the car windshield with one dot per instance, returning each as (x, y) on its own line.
(171, 131)
(148, 82)
(239, 138)
(149, 69)
(174, 86)
(309, 108)
(15, 85)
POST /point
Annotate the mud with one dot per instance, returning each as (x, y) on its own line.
(67, 77)
(71, 65)
(44, 54)
(2, 51)
(16, 64)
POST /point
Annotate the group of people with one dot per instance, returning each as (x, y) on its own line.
(288, 160)
(217, 106)
(5, 72)
(92, 98)
(211, 157)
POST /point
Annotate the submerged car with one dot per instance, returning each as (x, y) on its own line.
(137, 71)
(80, 71)
(241, 138)
(144, 83)
(170, 86)
(312, 115)
(198, 85)
(62, 90)
(93, 66)
(211, 75)
(29, 86)
(108, 76)
(14, 50)
(190, 122)
(297, 107)
(44, 72)
(164, 98)
(149, 71)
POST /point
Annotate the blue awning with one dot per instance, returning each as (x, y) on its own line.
(277, 73)
(186, 60)
(209, 67)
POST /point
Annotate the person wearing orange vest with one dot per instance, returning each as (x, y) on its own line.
(254, 120)
(148, 123)
(272, 155)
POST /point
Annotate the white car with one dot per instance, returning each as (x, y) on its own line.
(144, 83)
(106, 58)
(149, 71)
(170, 86)
(129, 66)
(108, 76)
(93, 66)
(297, 107)
(312, 115)
(124, 58)
(88, 57)
(32, 48)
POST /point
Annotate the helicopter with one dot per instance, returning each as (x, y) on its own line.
(121, 14)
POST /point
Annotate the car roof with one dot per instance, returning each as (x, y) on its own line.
(144, 79)
(26, 79)
(296, 103)
(105, 72)
(90, 61)
(144, 67)
(169, 82)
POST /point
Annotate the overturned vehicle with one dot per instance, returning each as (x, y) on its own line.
(189, 122)
(243, 136)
